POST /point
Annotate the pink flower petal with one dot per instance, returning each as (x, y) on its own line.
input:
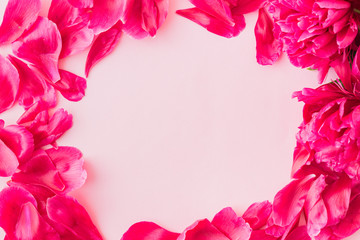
(66, 212)
(356, 65)
(40, 170)
(257, 214)
(213, 24)
(247, 6)
(19, 15)
(105, 14)
(69, 162)
(217, 8)
(8, 161)
(290, 200)
(41, 46)
(71, 86)
(19, 140)
(261, 235)
(232, 226)
(337, 199)
(82, 3)
(298, 233)
(148, 231)
(9, 82)
(268, 48)
(202, 230)
(75, 39)
(103, 46)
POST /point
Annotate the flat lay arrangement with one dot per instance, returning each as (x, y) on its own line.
(320, 201)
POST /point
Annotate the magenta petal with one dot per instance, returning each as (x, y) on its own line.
(217, 8)
(261, 235)
(257, 214)
(67, 212)
(71, 86)
(247, 6)
(103, 46)
(148, 231)
(8, 161)
(9, 82)
(203, 230)
(41, 46)
(69, 162)
(290, 200)
(298, 233)
(19, 15)
(76, 39)
(232, 226)
(213, 24)
(105, 14)
(337, 199)
(268, 48)
(82, 3)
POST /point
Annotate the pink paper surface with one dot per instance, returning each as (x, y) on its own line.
(176, 127)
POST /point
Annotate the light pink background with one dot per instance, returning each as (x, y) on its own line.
(177, 127)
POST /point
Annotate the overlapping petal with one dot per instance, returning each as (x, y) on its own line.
(9, 82)
(257, 214)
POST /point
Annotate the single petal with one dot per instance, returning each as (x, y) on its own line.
(69, 162)
(105, 14)
(257, 214)
(71, 86)
(290, 200)
(337, 199)
(213, 24)
(41, 46)
(217, 8)
(232, 226)
(103, 46)
(75, 39)
(67, 212)
(82, 3)
(9, 82)
(8, 161)
(268, 48)
(247, 6)
(19, 15)
(202, 230)
(40, 170)
(148, 231)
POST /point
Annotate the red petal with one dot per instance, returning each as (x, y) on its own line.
(257, 214)
(213, 24)
(105, 14)
(232, 226)
(148, 231)
(41, 46)
(19, 15)
(67, 212)
(71, 86)
(103, 46)
(69, 162)
(268, 48)
(9, 82)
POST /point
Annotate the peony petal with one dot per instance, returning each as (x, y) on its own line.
(71, 86)
(19, 15)
(337, 199)
(75, 39)
(219, 9)
(40, 170)
(268, 48)
(298, 233)
(202, 230)
(257, 214)
(148, 231)
(19, 140)
(41, 46)
(8, 161)
(261, 235)
(247, 6)
(69, 162)
(290, 200)
(82, 3)
(213, 24)
(103, 46)
(9, 82)
(105, 14)
(66, 212)
(232, 226)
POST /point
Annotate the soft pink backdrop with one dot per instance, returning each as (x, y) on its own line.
(177, 127)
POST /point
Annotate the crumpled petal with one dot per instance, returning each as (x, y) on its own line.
(232, 226)
(69, 162)
(257, 214)
(67, 213)
(144, 17)
(213, 24)
(103, 46)
(41, 46)
(337, 199)
(105, 14)
(19, 15)
(9, 82)
(290, 200)
(71, 86)
(268, 48)
(148, 231)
